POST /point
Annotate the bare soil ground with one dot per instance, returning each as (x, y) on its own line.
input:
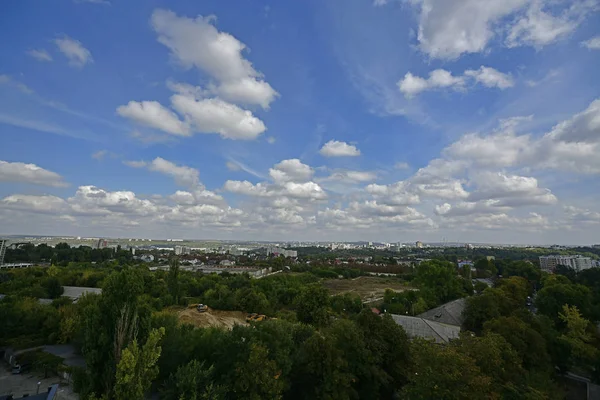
(368, 288)
(217, 318)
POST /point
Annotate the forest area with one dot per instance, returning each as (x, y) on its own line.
(314, 345)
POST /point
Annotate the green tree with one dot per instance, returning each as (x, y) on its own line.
(550, 299)
(526, 341)
(137, 368)
(445, 373)
(583, 351)
(53, 287)
(193, 381)
(438, 281)
(173, 279)
(258, 377)
(311, 305)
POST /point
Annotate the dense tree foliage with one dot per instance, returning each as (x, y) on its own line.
(316, 346)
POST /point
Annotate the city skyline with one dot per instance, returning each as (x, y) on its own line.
(336, 121)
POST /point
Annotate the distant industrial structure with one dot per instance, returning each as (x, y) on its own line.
(578, 263)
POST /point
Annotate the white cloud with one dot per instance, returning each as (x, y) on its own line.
(197, 43)
(154, 115)
(36, 204)
(29, 173)
(510, 190)
(592, 43)
(451, 28)
(7, 80)
(218, 116)
(401, 165)
(183, 175)
(582, 128)
(538, 27)
(271, 140)
(349, 176)
(335, 148)
(39, 54)
(412, 85)
(77, 55)
(489, 77)
(292, 170)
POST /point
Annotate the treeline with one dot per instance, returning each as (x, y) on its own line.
(62, 254)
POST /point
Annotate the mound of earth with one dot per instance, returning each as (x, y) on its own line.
(218, 318)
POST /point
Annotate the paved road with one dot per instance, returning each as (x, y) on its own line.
(19, 385)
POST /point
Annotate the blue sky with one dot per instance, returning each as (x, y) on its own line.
(474, 121)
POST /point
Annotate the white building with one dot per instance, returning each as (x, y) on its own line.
(578, 263)
(180, 250)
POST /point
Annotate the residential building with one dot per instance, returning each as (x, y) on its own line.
(182, 250)
(3, 246)
(578, 262)
(419, 245)
(276, 251)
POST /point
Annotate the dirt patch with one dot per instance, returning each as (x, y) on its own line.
(368, 288)
(221, 319)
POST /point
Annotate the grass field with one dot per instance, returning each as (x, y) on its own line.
(368, 288)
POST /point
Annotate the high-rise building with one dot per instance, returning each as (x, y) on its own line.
(419, 245)
(3, 245)
(578, 263)
(182, 250)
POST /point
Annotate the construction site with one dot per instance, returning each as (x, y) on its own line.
(211, 317)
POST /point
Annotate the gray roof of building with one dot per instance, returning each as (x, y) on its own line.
(75, 292)
(422, 328)
(449, 313)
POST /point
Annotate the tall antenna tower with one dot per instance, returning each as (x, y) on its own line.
(3, 246)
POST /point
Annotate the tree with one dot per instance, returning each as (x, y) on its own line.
(320, 371)
(53, 287)
(109, 324)
(577, 338)
(550, 300)
(311, 305)
(443, 372)
(192, 381)
(438, 281)
(495, 357)
(526, 341)
(137, 368)
(173, 279)
(258, 377)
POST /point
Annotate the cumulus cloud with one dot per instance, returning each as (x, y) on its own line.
(592, 43)
(292, 170)
(412, 85)
(218, 116)
(29, 173)
(451, 28)
(198, 43)
(74, 50)
(335, 148)
(154, 115)
(39, 54)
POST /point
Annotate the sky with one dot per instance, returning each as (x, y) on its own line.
(471, 121)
